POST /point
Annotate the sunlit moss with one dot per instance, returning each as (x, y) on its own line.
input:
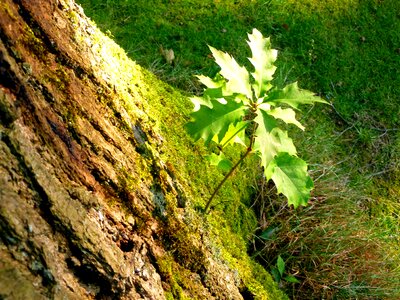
(8, 10)
(161, 111)
(332, 7)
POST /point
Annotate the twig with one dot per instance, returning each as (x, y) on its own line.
(249, 149)
(225, 179)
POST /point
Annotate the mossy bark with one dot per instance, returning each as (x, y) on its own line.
(87, 207)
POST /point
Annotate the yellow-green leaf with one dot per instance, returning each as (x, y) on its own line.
(263, 58)
(237, 76)
(292, 95)
(215, 121)
(269, 139)
(287, 115)
(235, 134)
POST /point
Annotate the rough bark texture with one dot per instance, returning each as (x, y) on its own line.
(59, 236)
(80, 180)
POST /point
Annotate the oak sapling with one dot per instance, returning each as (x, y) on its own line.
(236, 100)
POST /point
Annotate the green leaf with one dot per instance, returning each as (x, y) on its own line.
(215, 87)
(291, 278)
(220, 161)
(233, 100)
(293, 96)
(235, 134)
(211, 83)
(263, 58)
(275, 274)
(215, 121)
(281, 265)
(237, 76)
(269, 233)
(290, 176)
(269, 139)
(198, 101)
(286, 114)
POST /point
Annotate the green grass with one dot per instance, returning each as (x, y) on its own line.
(344, 245)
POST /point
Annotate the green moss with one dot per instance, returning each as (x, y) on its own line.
(262, 282)
(161, 111)
(34, 44)
(333, 47)
(230, 248)
(176, 279)
(231, 222)
(8, 10)
(73, 17)
(59, 79)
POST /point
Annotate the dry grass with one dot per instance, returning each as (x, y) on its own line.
(332, 246)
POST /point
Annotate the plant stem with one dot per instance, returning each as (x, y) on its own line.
(225, 179)
(249, 149)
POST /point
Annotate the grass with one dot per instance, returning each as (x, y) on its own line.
(344, 245)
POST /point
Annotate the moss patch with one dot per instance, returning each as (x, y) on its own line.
(157, 113)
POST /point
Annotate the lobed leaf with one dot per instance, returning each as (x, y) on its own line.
(218, 88)
(263, 58)
(211, 83)
(293, 96)
(237, 76)
(290, 176)
(269, 139)
(199, 101)
(235, 134)
(215, 121)
(286, 114)
(231, 102)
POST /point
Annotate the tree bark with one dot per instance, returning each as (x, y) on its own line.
(73, 225)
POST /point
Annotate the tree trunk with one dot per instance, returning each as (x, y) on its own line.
(80, 177)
